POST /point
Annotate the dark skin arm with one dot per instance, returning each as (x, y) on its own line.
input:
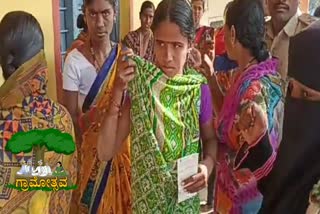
(209, 73)
(70, 101)
(204, 64)
(115, 126)
(114, 130)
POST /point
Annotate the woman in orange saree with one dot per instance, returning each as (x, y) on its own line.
(106, 187)
(24, 106)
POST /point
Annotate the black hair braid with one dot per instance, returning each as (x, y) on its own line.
(247, 17)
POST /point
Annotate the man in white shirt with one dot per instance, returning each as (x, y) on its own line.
(40, 170)
(29, 167)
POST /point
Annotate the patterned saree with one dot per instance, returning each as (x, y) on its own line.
(105, 186)
(242, 165)
(204, 40)
(133, 40)
(165, 127)
(24, 106)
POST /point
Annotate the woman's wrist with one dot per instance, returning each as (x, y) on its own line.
(115, 102)
(117, 96)
(212, 80)
(209, 162)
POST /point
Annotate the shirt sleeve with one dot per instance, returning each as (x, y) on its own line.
(206, 111)
(70, 75)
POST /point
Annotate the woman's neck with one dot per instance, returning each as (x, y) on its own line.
(197, 26)
(245, 61)
(144, 31)
(102, 47)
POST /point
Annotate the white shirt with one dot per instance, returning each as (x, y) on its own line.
(49, 172)
(78, 73)
(43, 171)
(40, 171)
(29, 169)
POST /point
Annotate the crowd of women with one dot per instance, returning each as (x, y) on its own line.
(171, 89)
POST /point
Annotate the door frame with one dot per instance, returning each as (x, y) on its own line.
(57, 48)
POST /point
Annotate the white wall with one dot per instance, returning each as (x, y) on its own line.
(214, 11)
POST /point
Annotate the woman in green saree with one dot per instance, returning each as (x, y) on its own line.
(167, 112)
(59, 171)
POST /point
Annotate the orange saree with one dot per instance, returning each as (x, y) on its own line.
(105, 186)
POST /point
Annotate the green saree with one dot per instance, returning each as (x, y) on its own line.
(165, 127)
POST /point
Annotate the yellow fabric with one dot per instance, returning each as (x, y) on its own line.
(117, 195)
(24, 106)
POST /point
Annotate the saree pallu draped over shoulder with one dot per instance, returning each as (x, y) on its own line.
(24, 106)
(243, 165)
(105, 186)
(165, 127)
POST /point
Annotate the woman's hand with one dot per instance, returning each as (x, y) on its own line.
(195, 58)
(199, 181)
(252, 123)
(207, 67)
(125, 70)
(202, 62)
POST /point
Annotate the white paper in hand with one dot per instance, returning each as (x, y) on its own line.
(187, 167)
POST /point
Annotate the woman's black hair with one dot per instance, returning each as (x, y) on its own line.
(88, 2)
(192, 1)
(317, 12)
(81, 24)
(59, 162)
(178, 12)
(21, 38)
(227, 7)
(247, 17)
(146, 5)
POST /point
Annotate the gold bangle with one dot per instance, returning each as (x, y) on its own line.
(114, 113)
(118, 106)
